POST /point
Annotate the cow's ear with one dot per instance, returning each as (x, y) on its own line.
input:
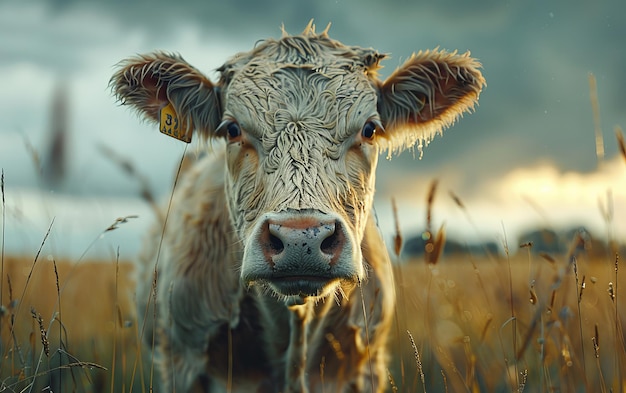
(148, 83)
(426, 95)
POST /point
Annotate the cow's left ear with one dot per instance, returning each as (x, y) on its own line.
(148, 83)
(425, 95)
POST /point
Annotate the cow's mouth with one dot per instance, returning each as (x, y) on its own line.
(302, 285)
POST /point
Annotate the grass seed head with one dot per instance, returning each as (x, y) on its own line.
(392, 382)
(397, 239)
(547, 257)
(430, 199)
(620, 141)
(526, 245)
(42, 331)
(456, 200)
(582, 288)
(596, 341)
(533, 296)
(2, 186)
(611, 291)
(567, 355)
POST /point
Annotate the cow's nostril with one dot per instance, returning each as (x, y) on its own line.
(330, 243)
(333, 242)
(276, 245)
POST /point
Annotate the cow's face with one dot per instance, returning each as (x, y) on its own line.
(304, 119)
(301, 157)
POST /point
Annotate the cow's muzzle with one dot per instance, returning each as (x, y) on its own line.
(300, 253)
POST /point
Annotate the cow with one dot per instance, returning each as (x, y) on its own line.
(271, 274)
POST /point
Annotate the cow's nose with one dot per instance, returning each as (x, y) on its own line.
(301, 253)
(308, 242)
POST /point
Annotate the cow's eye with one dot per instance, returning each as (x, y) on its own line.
(230, 129)
(369, 130)
(233, 131)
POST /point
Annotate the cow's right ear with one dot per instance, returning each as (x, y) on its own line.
(148, 83)
(425, 95)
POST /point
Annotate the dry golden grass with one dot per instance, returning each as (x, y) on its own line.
(464, 325)
(512, 324)
(524, 322)
(87, 300)
(66, 345)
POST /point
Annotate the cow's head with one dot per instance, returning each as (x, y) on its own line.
(304, 119)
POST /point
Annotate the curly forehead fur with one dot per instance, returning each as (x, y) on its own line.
(308, 82)
(309, 50)
(301, 96)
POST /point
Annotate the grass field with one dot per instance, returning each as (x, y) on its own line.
(62, 324)
(528, 323)
(531, 323)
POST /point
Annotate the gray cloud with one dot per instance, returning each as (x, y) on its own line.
(536, 56)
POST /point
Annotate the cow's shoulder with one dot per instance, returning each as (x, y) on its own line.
(199, 198)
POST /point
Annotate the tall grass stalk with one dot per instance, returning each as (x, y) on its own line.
(4, 215)
(59, 317)
(418, 360)
(618, 326)
(15, 315)
(579, 293)
(116, 321)
(115, 225)
(400, 300)
(595, 108)
(152, 297)
(431, 259)
(596, 349)
(45, 345)
(512, 319)
(367, 338)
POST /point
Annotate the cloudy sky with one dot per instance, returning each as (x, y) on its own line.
(527, 156)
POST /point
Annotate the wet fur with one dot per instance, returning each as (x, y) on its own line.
(302, 101)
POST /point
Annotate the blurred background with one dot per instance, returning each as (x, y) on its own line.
(527, 158)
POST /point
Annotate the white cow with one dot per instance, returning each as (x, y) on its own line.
(273, 276)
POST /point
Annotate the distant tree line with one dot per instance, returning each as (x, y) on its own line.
(537, 241)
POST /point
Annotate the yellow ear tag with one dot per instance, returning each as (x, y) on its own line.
(170, 124)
